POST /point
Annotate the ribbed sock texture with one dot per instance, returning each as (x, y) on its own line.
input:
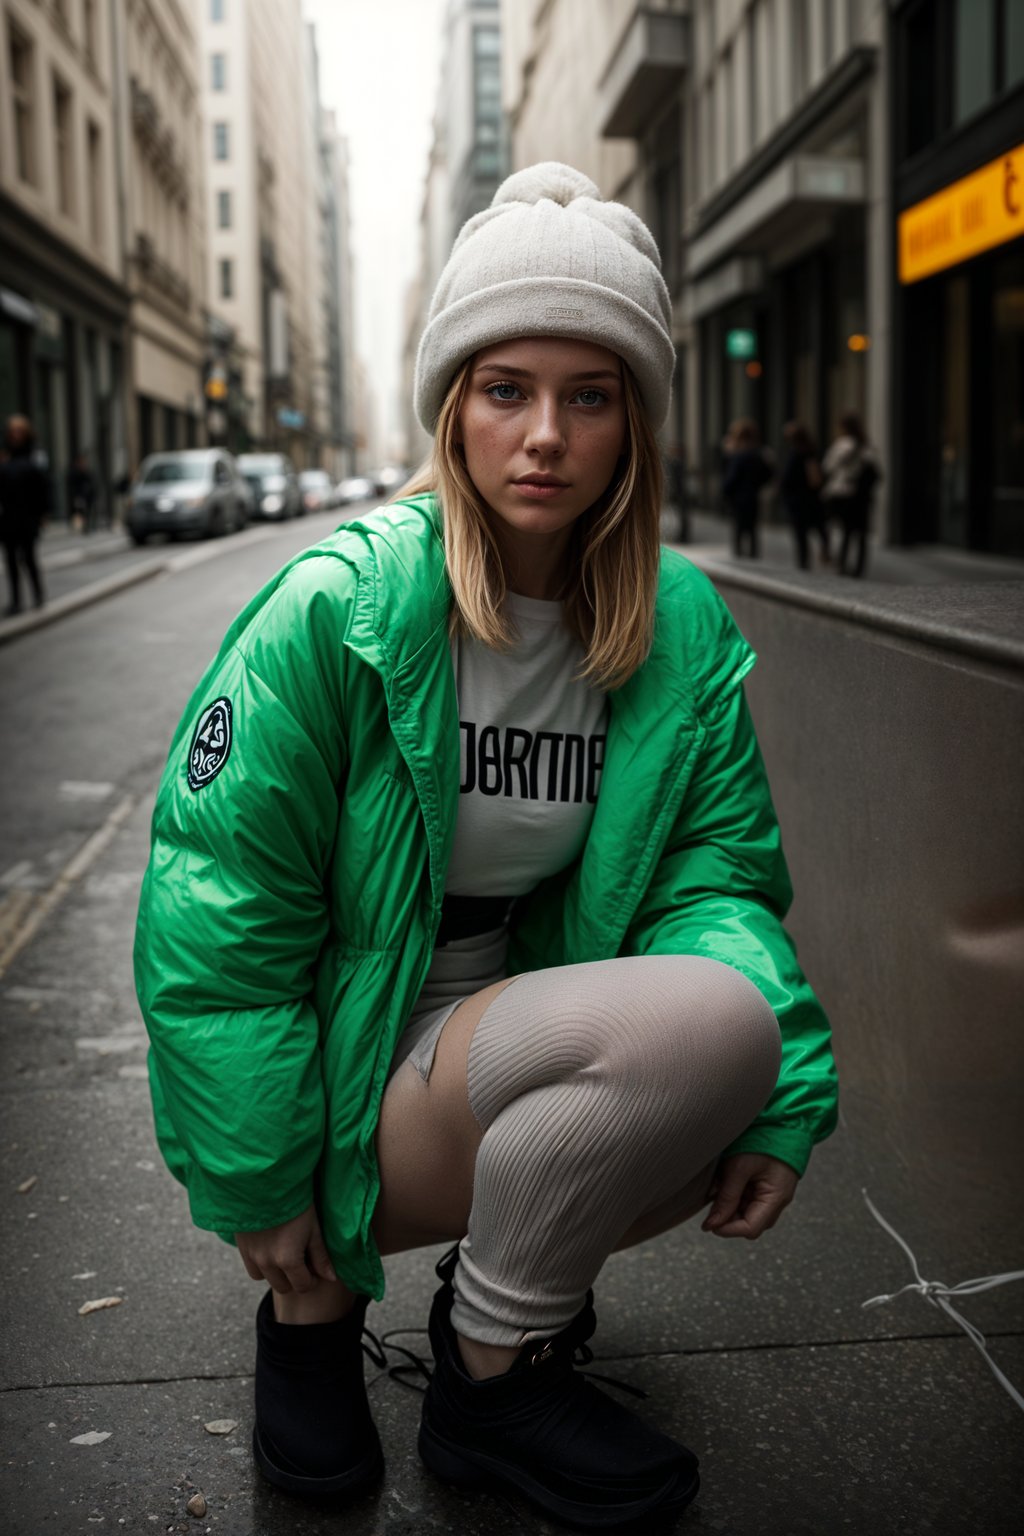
(604, 1090)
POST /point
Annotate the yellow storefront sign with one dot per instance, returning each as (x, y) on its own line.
(965, 218)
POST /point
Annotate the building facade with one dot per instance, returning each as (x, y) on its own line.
(788, 223)
(162, 173)
(64, 301)
(267, 261)
(957, 75)
(468, 160)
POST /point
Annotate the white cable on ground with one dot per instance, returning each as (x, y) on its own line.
(936, 1292)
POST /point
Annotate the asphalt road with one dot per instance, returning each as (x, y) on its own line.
(89, 704)
(809, 1413)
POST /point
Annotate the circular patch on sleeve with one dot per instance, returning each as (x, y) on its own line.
(211, 744)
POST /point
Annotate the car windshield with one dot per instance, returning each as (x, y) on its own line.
(261, 466)
(165, 470)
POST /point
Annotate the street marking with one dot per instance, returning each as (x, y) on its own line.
(83, 789)
(19, 927)
(17, 873)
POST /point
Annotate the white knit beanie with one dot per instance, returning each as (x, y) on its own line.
(549, 258)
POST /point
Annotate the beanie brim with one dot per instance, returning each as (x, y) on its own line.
(573, 308)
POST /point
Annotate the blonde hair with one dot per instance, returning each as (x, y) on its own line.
(612, 583)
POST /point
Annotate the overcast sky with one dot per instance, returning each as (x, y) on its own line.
(379, 63)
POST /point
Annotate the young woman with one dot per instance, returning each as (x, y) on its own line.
(463, 917)
(851, 469)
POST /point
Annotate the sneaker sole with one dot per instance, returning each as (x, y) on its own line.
(479, 1471)
(357, 1478)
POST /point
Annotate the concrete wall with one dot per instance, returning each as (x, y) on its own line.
(895, 764)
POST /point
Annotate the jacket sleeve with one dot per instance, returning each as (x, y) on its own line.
(233, 914)
(721, 889)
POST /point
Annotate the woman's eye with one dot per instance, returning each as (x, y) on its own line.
(591, 397)
(498, 391)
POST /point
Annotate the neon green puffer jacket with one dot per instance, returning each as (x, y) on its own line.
(300, 841)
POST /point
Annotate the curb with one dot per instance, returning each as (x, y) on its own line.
(84, 597)
(97, 591)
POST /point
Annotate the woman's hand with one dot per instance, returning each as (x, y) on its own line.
(750, 1193)
(291, 1257)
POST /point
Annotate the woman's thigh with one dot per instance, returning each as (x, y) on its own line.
(698, 1026)
(427, 1141)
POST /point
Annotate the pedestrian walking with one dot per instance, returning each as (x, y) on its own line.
(747, 472)
(463, 919)
(82, 494)
(852, 469)
(26, 500)
(800, 486)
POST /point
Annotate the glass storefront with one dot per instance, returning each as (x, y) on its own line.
(1008, 403)
(963, 402)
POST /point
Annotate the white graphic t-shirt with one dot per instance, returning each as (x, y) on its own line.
(532, 749)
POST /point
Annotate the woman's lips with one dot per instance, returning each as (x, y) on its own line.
(537, 490)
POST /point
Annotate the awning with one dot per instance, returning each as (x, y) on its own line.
(17, 307)
(776, 208)
(642, 72)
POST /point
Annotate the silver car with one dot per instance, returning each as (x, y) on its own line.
(273, 479)
(193, 491)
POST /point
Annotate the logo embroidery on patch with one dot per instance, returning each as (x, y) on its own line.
(211, 744)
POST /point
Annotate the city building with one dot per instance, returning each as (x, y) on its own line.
(340, 273)
(64, 302)
(467, 162)
(958, 358)
(262, 187)
(788, 222)
(162, 175)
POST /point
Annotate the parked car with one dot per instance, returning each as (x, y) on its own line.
(356, 488)
(275, 483)
(387, 480)
(194, 490)
(317, 490)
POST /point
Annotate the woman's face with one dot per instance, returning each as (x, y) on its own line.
(542, 427)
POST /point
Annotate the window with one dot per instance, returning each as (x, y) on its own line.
(95, 154)
(220, 141)
(90, 35)
(486, 42)
(729, 93)
(223, 210)
(22, 71)
(227, 278)
(1013, 36)
(974, 79)
(954, 59)
(64, 148)
(216, 10)
(801, 44)
(218, 72)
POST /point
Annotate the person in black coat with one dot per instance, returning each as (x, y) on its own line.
(25, 500)
(800, 484)
(747, 471)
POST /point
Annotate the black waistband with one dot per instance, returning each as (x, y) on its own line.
(463, 917)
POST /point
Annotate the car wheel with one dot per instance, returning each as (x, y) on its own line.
(137, 536)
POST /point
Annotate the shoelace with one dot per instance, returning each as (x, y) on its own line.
(935, 1292)
(376, 1351)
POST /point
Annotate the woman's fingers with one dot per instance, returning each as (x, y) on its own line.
(317, 1257)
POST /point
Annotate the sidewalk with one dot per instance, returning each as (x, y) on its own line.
(61, 546)
(888, 565)
(810, 1414)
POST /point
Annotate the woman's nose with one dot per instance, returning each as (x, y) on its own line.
(545, 432)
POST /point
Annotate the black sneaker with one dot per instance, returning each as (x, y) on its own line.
(544, 1429)
(313, 1433)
